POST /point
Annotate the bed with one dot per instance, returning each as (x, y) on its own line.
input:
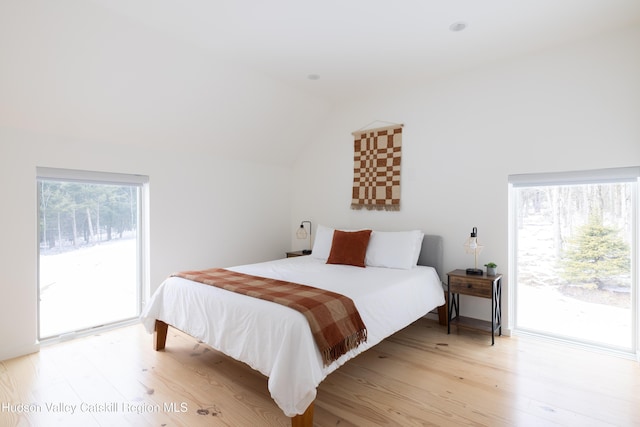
(276, 340)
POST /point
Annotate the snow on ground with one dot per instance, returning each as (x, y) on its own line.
(543, 307)
(87, 287)
(546, 309)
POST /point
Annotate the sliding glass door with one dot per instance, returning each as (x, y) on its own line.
(574, 252)
(90, 259)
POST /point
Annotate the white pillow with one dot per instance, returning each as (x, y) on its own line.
(322, 242)
(394, 249)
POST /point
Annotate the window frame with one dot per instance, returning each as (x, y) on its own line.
(582, 177)
(142, 247)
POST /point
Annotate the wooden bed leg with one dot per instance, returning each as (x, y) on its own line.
(443, 310)
(304, 420)
(160, 335)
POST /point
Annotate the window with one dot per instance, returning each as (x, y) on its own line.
(90, 258)
(574, 256)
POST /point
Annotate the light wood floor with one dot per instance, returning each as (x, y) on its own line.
(420, 376)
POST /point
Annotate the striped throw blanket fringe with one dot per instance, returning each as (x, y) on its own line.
(333, 318)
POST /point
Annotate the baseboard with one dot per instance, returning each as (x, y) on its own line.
(20, 351)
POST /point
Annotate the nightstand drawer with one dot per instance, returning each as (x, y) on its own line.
(470, 287)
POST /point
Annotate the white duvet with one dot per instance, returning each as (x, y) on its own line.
(276, 340)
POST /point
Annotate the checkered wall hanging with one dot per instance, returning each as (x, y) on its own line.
(376, 168)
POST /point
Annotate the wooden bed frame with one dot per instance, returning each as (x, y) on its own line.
(430, 255)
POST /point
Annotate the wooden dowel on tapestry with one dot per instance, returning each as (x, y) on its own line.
(361, 131)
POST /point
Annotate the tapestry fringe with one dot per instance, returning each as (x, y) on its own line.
(359, 206)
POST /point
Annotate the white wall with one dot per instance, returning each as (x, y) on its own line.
(573, 108)
(205, 211)
(82, 88)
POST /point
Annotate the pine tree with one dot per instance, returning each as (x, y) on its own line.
(595, 254)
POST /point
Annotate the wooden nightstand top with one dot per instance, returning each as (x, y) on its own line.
(463, 273)
(296, 253)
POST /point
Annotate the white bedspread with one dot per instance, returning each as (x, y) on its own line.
(276, 340)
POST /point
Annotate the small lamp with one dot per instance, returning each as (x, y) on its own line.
(473, 246)
(302, 234)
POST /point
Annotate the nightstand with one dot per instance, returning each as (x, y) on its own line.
(297, 253)
(461, 283)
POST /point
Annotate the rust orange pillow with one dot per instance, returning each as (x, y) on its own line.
(349, 247)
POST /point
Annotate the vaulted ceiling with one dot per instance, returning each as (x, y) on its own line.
(228, 75)
(339, 48)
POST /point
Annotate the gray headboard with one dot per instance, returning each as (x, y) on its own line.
(432, 253)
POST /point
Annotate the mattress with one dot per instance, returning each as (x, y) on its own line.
(276, 340)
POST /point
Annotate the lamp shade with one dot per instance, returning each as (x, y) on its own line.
(301, 233)
(472, 246)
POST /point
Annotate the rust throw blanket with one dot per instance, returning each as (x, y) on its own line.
(335, 323)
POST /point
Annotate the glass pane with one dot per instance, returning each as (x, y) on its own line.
(573, 269)
(88, 265)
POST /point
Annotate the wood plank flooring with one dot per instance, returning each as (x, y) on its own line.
(418, 377)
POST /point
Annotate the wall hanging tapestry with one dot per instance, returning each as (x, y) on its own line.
(376, 168)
